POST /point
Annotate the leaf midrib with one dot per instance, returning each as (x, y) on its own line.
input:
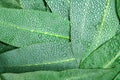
(33, 31)
(101, 27)
(102, 22)
(84, 17)
(112, 60)
(46, 63)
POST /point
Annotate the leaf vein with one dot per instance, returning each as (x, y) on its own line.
(112, 60)
(35, 31)
(46, 63)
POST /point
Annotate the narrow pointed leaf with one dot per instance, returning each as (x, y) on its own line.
(106, 56)
(24, 27)
(9, 4)
(38, 75)
(60, 7)
(93, 22)
(49, 56)
(89, 74)
(33, 4)
(5, 47)
(75, 74)
(117, 77)
(118, 7)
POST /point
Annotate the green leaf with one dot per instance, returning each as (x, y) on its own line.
(38, 75)
(117, 77)
(49, 56)
(25, 27)
(89, 74)
(93, 22)
(60, 7)
(9, 4)
(118, 7)
(106, 56)
(33, 4)
(75, 74)
(5, 47)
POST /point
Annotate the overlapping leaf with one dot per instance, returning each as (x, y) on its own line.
(117, 77)
(25, 27)
(9, 4)
(60, 7)
(43, 38)
(75, 74)
(93, 22)
(49, 56)
(33, 4)
(118, 7)
(5, 47)
(24, 4)
(106, 56)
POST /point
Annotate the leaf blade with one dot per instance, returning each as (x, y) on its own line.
(31, 27)
(33, 4)
(60, 7)
(58, 56)
(106, 56)
(91, 25)
(74, 74)
(9, 4)
(5, 47)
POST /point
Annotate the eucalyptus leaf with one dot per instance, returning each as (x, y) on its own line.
(60, 7)
(38, 75)
(118, 7)
(33, 4)
(75, 74)
(89, 74)
(117, 77)
(106, 56)
(5, 47)
(25, 27)
(9, 4)
(47, 56)
(59, 40)
(92, 23)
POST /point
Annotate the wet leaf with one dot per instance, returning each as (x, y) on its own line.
(33, 4)
(106, 56)
(60, 7)
(49, 56)
(75, 74)
(25, 27)
(92, 23)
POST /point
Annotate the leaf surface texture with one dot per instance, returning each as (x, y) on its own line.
(47, 56)
(75, 74)
(24, 27)
(60, 7)
(92, 23)
(106, 56)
